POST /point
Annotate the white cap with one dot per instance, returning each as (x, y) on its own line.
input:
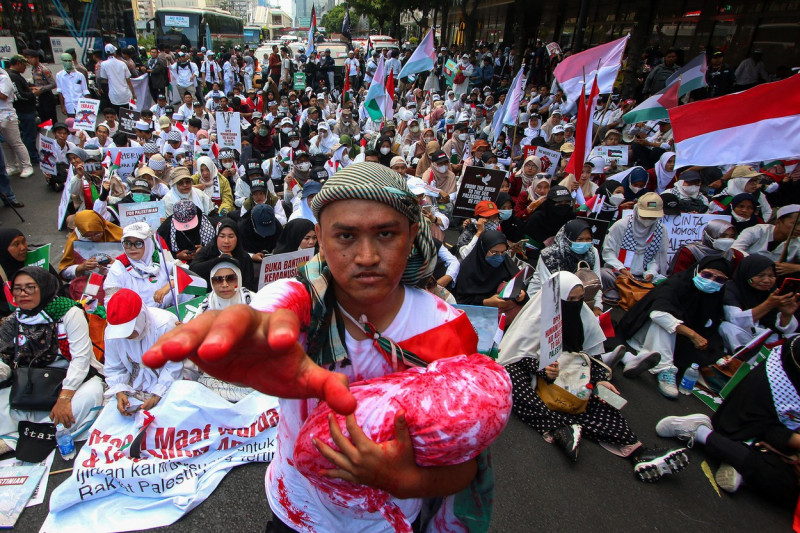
(558, 129)
(598, 164)
(178, 116)
(142, 125)
(110, 49)
(323, 126)
(137, 230)
(416, 185)
(788, 210)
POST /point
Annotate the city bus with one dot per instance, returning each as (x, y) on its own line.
(195, 28)
(252, 35)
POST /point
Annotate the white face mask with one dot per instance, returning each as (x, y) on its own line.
(294, 144)
(303, 167)
(345, 159)
(286, 131)
(737, 218)
(428, 139)
(345, 122)
(462, 136)
(635, 190)
(691, 190)
(441, 169)
(648, 222)
(385, 150)
(616, 199)
(723, 244)
(414, 129)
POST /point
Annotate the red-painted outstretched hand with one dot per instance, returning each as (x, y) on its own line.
(255, 349)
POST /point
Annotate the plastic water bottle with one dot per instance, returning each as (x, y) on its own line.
(690, 377)
(585, 392)
(66, 446)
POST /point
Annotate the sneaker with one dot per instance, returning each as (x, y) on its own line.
(614, 356)
(667, 385)
(728, 478)
(682, 427)
(569, 439)
(12, 170)
(651, 464)
(637, 364)
(27, 173)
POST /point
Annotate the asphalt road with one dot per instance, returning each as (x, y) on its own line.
(537, 488)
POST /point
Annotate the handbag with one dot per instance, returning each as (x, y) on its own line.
(559, 399)
(575, 372)
(631, 291)
(33, 388)
(590, 280)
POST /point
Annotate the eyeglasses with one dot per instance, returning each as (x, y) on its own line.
(133, 244)
(494, 252)
(713, 277)
(27, 289)
(230, 279)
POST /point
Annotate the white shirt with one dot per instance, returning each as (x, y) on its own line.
(117, 73)
(754, 240)
(352, 66)
(7, 88)
(183, 74)
(71, 85)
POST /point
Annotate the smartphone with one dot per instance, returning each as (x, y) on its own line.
(610, 397)
(790, 285)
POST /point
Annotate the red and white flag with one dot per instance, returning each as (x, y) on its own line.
(47, 124)
(583, 131)
(759, 124)
(602, 62)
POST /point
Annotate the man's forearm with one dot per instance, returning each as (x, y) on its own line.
(439, 481)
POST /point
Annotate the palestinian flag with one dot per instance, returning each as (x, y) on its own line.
(501, 329)
(46, 125)
(186, 282)
(117, 163)
(9, 296)
(90, 194)
(515, 285)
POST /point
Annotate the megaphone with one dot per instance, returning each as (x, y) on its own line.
(628, 134)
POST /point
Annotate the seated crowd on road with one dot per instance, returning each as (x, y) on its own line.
(302, 150)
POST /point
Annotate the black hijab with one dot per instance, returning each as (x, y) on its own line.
(292, 235)
(8, 263)
(476, 276)
(204, 260)
(548, 219)
(739, 293)
(48, 283)
(736, 200)
(513, 227)
(385, 159)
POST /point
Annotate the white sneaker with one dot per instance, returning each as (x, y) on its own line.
(27, 173)
(12, 170)
(682, 427)
(614, 356)
(667, 382)
(728, 478)
(640, 363)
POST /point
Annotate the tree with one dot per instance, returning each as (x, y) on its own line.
(332, 20)
(383, 14)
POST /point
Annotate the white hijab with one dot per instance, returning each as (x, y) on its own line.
(214, 301)
(144, 267)
(662, 176)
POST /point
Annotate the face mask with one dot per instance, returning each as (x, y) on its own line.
(691, 190)
(505, 214)
(495, 261)
(345, 122)
(706, 285)
(581, 248)
(414, 129)
(345, 159)
(262, 132)
(286, 131)
(489, 226)
(723, 245)
(428, 139)
(227, 164)
(648, 222)
(303, 167)
(616, 199)
(462, 136)
(635, 190)
(385, 150)
(139, 197)
(294, 144)
(441, 169)
(737, 218)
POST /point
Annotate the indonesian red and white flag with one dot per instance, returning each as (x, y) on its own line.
(583, 132)
(759, 124)
(602, 62)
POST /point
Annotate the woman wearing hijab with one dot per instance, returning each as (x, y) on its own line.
(140, 268)
(519, 351)
(687, 189)
(384, 148)
(584, 183)
(182, 188)
(412, 137)
(742, 210)
(752, 306)
(572, 245)
(296, 235)
(482, 272)
(416, 151)
(677, 324)
(431, 147)
(440, 175)
(48, 330)
(743, 180)
(661, 176)
(214, 185)
(635, 182)
(532, 197)
(511, 226)
(89, 226)
(612, 194)
(186, 230)
(521, 180)
(545, 222)
(718, 237)
(762, 409)
(227, 242)
(13, 252)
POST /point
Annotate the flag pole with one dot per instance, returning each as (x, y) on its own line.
(597, 133)
(169, 279)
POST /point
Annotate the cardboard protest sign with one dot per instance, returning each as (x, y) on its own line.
(549, 158)
(47, 154)
(599, 229)
(550, 323)
(150, 212)
(127, 121)
(86, 112)
(229, 130)
(129, 160)
(478, 184)
(612, 153)
(188, 309)
(102, 252)
(553, 49)
(282, 266)
(142, 472)
(39, 257)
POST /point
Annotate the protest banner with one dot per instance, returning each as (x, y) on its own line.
(102, 252)
(685, 228)
(550, 323)
(39, 257)
(299, 81)
(144, 100)
(127, 121)
(599, 229)
(484, 320)
(229, 130)
(549, 158)
(449, 71)
(86, 112)
(131, 475)
(150, 212)
(612, 153)
(478, 184)
(553, 49)
(129, 159)
(47, 154)
(282, 266)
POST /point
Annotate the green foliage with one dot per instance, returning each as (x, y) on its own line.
(332, 20)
